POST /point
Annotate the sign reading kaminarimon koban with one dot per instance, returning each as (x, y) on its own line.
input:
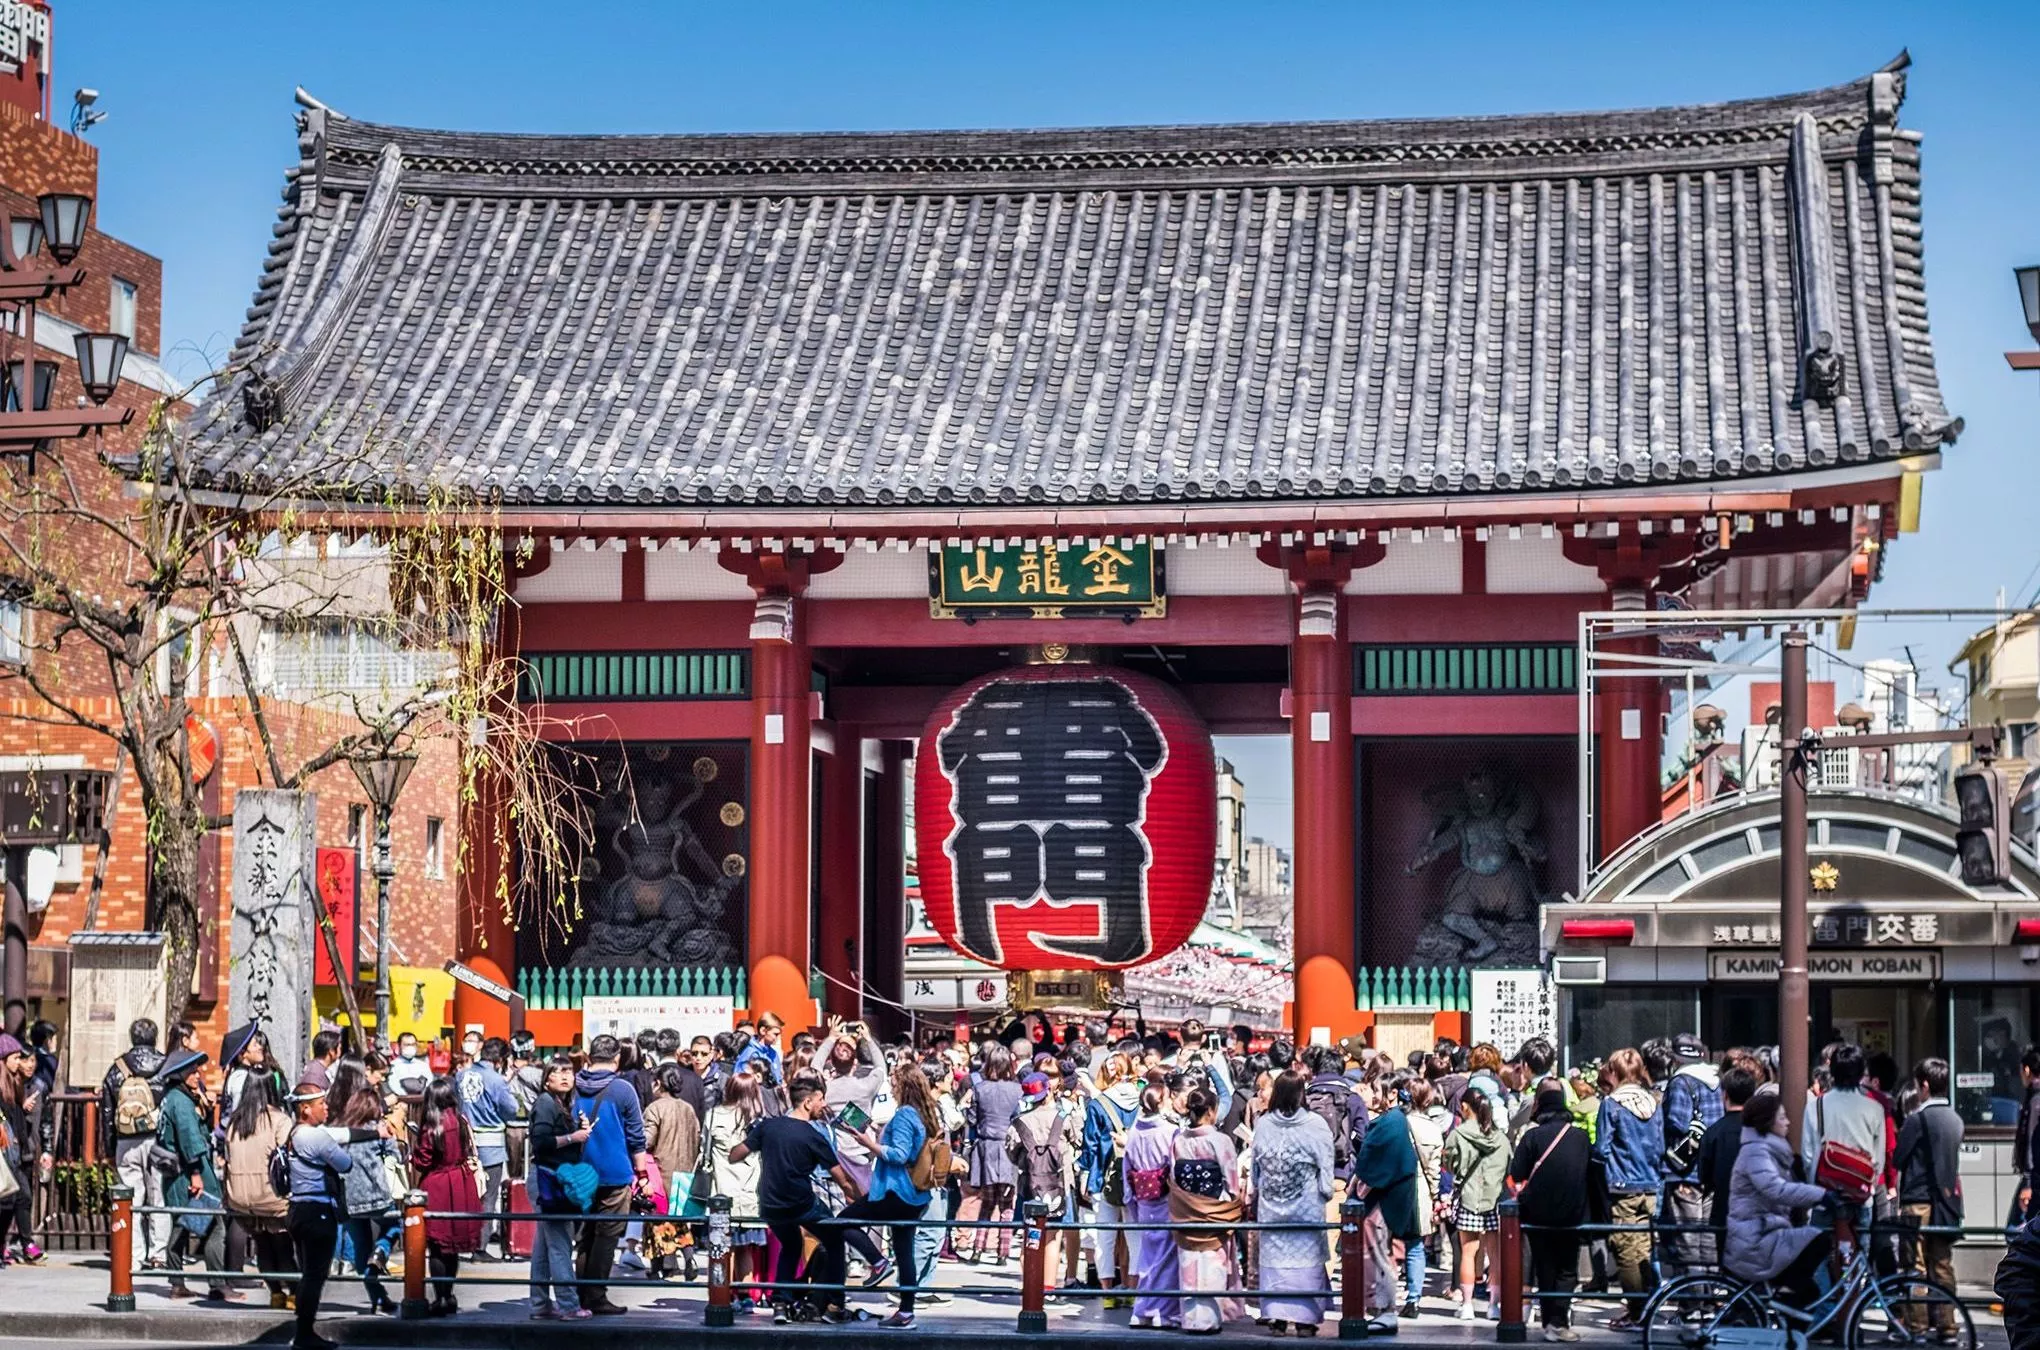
(1055, 578)
(1064, 818)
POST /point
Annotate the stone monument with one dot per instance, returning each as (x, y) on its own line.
(270, 981)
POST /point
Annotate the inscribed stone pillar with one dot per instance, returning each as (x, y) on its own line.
(275, 838)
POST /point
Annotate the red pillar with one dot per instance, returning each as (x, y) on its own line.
(780, 743)
(885, 924)
(484, 938)
(1629, 739)
(1321, 736)
(840, 948)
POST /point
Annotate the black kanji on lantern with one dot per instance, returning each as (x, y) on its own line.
(1050, 782)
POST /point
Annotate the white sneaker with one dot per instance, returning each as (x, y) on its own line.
(1466, 1313)
(630, 1260)
(1565, 1334)
(1494, 1312)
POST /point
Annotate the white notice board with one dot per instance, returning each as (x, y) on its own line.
(690, 1017)
(1512, 1006)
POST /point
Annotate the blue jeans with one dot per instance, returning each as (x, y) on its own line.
(364, 1236)
(552, 1258)
(1413, 1268)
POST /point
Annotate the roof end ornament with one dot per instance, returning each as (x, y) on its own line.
(1822, 378)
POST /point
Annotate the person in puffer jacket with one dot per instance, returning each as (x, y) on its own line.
(1628, 1142)
(2018, 1287)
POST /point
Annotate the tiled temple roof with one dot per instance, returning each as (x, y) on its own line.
(1318, 311)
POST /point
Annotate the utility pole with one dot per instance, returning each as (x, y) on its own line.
(1794, 1013)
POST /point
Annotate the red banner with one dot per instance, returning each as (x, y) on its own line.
(340, 889)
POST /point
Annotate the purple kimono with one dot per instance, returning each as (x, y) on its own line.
(1149, 1146)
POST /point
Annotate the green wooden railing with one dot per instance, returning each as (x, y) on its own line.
(563, 990)
(1389, 669)
(1446, 988)
(565, 677)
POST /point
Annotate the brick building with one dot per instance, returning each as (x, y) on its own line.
(122, 292)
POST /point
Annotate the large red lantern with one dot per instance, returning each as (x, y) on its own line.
(1066, 818)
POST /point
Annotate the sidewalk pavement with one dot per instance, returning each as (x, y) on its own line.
(65, 1300)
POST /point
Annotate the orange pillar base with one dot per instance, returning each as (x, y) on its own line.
(1324, 1011)
(779, 986)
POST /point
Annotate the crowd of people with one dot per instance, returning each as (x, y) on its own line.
(1190, 1176)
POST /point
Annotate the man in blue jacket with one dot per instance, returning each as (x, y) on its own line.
(606, 1105)
(489, 1105)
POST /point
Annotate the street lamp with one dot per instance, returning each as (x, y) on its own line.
(100, 357)
(382, 777)
(2029, 296)
(64, 217)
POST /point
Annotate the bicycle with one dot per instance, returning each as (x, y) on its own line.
(1866, 1309)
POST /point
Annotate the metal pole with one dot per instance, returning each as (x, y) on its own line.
(385, 869)
(14, 978)
(1794, 1013)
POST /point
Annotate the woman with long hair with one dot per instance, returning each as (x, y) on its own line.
(554, 1142)
(17, 1066)
(440, 1162)
(729, 1120)
(256, 1215)
(993, 1106)
(1108, 1116)
(1477, 1156)
(366, 1193)
(1293, 1178)
(673, 1137)
(1629, 1141)
(1149, 1146)
(905, 1162)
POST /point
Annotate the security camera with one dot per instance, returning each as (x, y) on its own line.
(85, 98)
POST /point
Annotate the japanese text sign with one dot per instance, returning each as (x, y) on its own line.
(1047, 580)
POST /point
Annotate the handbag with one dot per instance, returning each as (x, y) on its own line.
(10, 1184)
(577, 1183)
(1842, 1167)
(198, 1225)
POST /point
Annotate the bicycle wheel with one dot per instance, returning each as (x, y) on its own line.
(1699, 1304)
(1906, 1310)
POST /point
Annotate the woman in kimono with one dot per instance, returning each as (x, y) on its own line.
(1293, 1177)
(1149, 1156)
(1204, 1188)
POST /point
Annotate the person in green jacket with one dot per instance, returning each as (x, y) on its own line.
(183, 1132)
(1477, 1156)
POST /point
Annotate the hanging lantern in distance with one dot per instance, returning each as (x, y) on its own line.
(1065, 818)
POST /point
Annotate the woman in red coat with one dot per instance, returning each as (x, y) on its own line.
(439, 1161)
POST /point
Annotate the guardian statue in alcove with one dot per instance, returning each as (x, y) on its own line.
(1488, 822)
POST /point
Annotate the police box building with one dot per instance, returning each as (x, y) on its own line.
(1005, 469)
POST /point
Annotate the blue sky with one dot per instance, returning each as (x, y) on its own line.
(199, 133)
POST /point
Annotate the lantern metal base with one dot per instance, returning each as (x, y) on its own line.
(1063, 990)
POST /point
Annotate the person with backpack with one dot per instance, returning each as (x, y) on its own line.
(607, 1105)
(909, 1160)
(308, 1169)
(1928, 1160)
(1150, 1147)
(1108, 1115)
(1035, 1147)
(1330, 1096)
(129, 1113)
(1691, 1105)
(256, 1215)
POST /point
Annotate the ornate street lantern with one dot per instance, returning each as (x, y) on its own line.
(64, 217)
(18, 395)
(100, 357)
(25, 234)
(382, 778)
(2029, 296)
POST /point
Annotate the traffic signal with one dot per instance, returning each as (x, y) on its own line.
(1983, 840)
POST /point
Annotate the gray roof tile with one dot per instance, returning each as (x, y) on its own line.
(1317, 311)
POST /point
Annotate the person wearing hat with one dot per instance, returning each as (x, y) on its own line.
(1040, 1154)
(318, 1162)
(193, 1184)
(245, 1051)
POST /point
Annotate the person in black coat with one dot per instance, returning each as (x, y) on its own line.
(2018, 1288)
(1721, 1143)
(1550, 1168)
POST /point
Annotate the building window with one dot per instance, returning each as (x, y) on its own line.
(1992, 1026)
(121, 310)
(11, 635)
(359, 836)
(2023, 740)
(435, 848)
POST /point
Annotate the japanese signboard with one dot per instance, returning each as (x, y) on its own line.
(339, 882)
(1513, 1006)
(1853, 928)
(1901, 967)
(622, 1017)
(935, 993)
(1056, 578)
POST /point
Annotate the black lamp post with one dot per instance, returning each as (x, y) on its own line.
(382, 777)
(2029, 296)
(28, 422)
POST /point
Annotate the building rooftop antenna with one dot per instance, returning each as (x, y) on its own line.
(83, 116)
